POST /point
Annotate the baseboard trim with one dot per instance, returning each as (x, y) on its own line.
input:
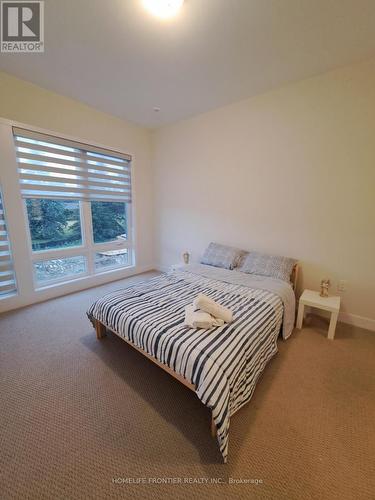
(345, 317)
(359, 321)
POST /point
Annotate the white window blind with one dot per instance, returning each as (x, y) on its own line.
(7, 278)
(51, 167)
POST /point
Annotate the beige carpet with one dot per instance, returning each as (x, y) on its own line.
(82, 418)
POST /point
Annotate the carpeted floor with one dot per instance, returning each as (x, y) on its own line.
(82, 418)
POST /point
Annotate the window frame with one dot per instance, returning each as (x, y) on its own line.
(13, 292)
(88, 249)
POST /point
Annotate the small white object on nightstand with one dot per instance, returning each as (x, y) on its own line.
(313, 299)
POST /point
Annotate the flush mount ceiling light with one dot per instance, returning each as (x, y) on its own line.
(163, 8)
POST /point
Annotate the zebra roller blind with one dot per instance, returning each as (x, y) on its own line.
(51, 167)
(7, 277)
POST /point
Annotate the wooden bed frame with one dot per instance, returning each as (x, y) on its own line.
(294, 277)
(101, 331)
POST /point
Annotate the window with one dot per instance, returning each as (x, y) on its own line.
(111, 259)
(54, 223)
(78, 206)
(7, 276)
(56, 269)
(108, 221)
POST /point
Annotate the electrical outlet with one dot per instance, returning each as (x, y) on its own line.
(342, 285)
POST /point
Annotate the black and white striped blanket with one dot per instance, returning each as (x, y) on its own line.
(223, 363)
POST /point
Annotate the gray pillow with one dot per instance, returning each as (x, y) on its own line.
(221, 256)
(263, 264)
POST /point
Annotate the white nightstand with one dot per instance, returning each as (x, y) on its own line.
(313, 299)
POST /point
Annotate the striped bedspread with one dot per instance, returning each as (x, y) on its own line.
(223, 363)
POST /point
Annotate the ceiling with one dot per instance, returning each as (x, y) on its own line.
(116, 57)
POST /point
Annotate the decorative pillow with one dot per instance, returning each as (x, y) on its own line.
(263, 264)
(221, 256)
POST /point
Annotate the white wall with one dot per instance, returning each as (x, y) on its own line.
(290, 172)
(23, 102)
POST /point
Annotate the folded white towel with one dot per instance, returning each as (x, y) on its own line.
(197, 319)
(216, 321)
(210, 306)
(200, 319)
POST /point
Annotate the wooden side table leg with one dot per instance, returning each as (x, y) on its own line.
(332, 325)
(301, 312)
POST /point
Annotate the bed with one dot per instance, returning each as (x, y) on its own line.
(221, 365)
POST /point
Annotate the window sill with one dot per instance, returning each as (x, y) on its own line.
(84, 278)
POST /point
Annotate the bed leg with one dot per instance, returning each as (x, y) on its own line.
(213, 428)
(100, 329)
